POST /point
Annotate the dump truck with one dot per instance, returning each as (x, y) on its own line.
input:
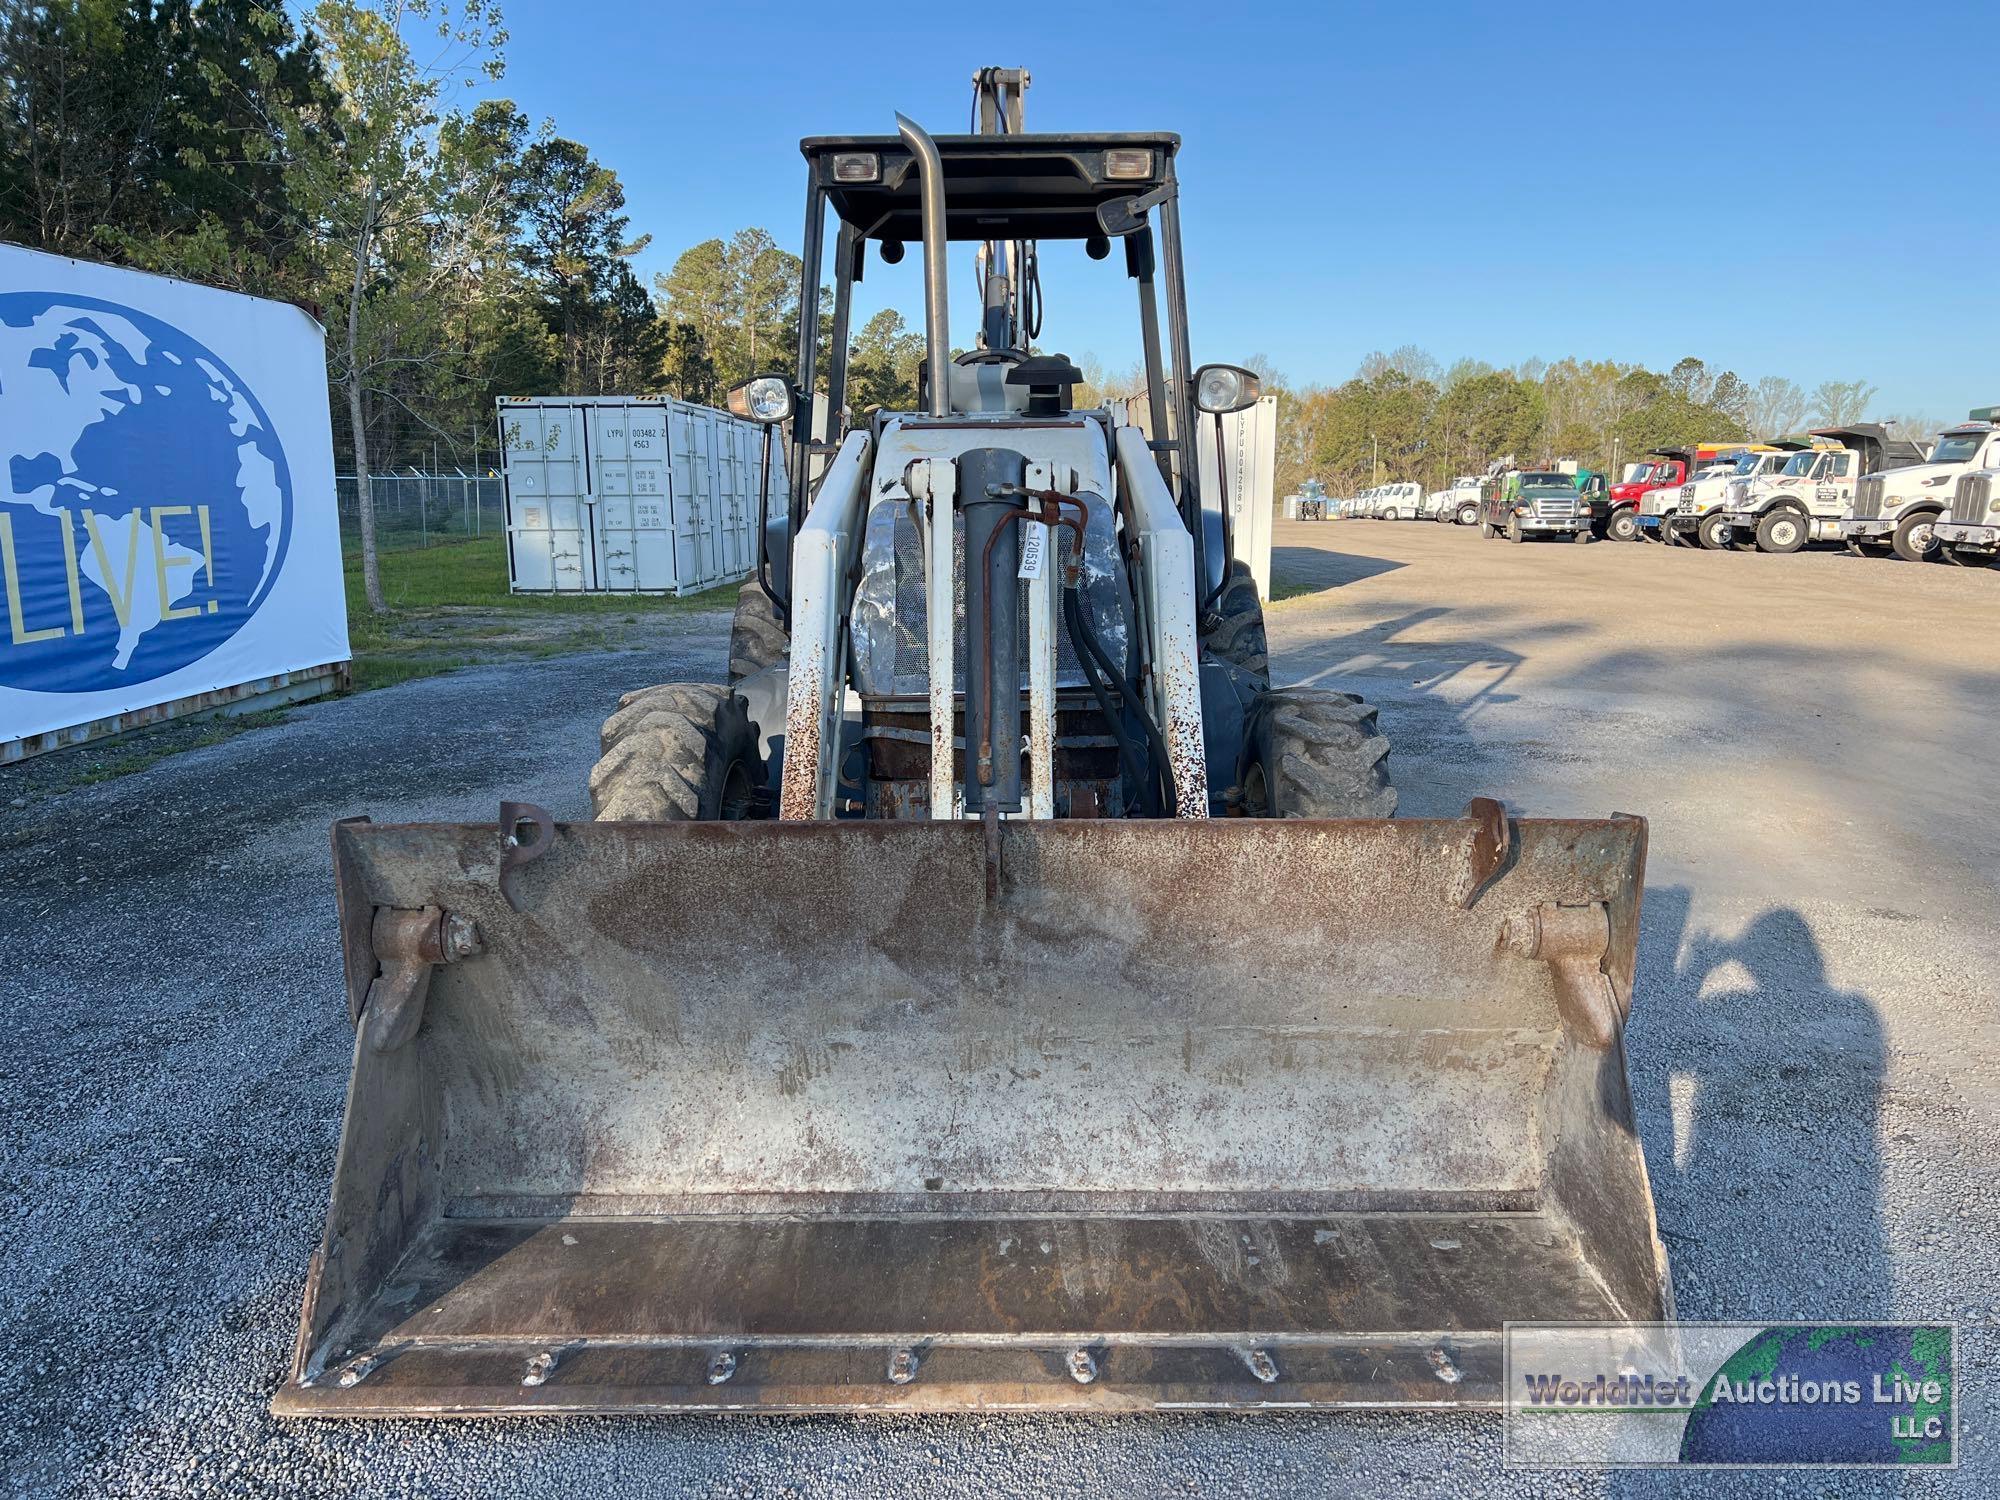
(1969, 533)
(914, 1028)
(1807, 498)
(1658, 495)
(1896, 508)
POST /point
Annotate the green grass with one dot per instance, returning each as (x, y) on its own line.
(449, 608)
(474, 575)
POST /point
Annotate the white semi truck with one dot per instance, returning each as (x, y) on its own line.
(1969, 533)
(1896, 510)
(1461, 504)
(1693, 512)
(1808, 497)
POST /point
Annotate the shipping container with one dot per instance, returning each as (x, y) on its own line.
(631, 494)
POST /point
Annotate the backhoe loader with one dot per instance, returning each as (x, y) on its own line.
(928, 1020)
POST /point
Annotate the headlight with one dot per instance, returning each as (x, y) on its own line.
(1128, 165)
(1225, 388)
(762, 398)
(1993, 508)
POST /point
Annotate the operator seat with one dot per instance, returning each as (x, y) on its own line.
(977, 382)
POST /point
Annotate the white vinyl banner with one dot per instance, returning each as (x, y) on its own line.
(167, 520)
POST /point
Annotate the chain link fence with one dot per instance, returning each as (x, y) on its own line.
(416, 509)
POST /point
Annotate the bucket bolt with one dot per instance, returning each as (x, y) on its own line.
(721, 1367)
(903, 1367)
(1082, 1366)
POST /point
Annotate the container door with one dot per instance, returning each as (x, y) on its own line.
(628, 447)
(693, 489)
(547, 514)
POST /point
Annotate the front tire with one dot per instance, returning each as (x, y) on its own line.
(1312, 753)
(1914, 541)
(1514, 532)
(1714, 532)
(757, 636)
(1781, 531)
(1467, 514)
(1622, 527)
(1234, 626)
(1965, 557)
(679, 753)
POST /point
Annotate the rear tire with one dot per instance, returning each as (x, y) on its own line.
(1713, 532)
(1313, 753)
(757, 636)
(1622, 527)
(679, 753)
(1233, 629)
(1913, 541)
(1782, 531)
(1487, 531)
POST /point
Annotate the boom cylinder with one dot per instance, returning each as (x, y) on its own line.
(992, 626)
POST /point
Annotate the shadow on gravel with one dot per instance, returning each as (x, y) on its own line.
(1299, 571)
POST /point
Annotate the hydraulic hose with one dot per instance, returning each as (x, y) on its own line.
(1087, 645)
(1128, 753)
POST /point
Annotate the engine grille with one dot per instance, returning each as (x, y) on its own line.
(1971, 503)
(1554, 508)
(1868, 498)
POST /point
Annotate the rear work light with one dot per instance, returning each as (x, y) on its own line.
(1128, 164)
(857, 166)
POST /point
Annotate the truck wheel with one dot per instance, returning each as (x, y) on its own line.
(1233, 629)
(1312, 753)
(1467, 514)
(1781, 531)
(1965, 557)
(1714, 532)
(1622, 527)
(1390, 514)
(1583, 534)
(1669, 536)
(1913, 541)
(757, 637)
(679, 753)
(1514, 529)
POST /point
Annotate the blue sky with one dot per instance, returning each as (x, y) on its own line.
(1779, 188)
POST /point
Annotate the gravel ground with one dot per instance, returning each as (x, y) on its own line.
(1813, 1049)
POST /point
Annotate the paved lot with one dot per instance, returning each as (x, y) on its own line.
(1813, 1050)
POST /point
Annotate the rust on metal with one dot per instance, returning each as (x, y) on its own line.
(1487, 846)
(514, 816)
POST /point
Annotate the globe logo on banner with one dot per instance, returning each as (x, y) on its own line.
(146, 505)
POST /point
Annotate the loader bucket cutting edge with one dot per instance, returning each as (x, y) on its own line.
(790, 1117)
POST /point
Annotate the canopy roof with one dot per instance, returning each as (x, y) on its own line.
(1041, 187)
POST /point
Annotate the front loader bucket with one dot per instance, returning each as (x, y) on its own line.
(785, 1117)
